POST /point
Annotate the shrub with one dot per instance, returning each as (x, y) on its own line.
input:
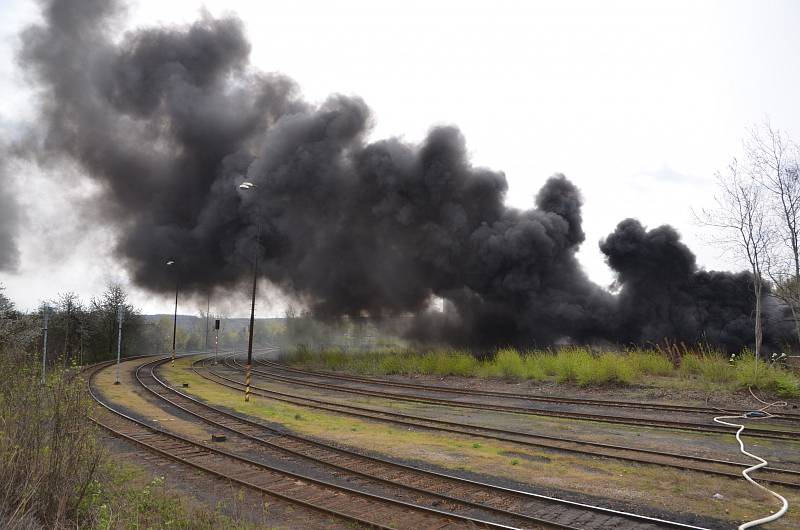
(649, 363)
(709, 367)
(508, 363)
(536, 366)
(752, 373)
(542, 364)
(392, 364)
(125, 497)
(462, 364)
(609, 368)
(48, 449)
(569, 363)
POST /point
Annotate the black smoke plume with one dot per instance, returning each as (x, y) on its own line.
(663, 294)
(169, 120)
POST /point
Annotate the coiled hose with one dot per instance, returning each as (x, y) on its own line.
(759, 414)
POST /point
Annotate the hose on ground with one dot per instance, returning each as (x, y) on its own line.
(757, 414)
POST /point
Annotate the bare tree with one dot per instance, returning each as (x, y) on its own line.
(103, 322)
(774, 162)
(742, 218)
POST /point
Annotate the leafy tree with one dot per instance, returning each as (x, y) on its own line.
(102, 323)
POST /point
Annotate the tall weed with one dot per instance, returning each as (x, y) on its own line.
(48, 450)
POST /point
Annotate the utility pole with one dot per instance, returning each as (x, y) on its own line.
(208, 308)
(120, 313)
(171, 263)
(216, 339)
(248, 372)
(44, 343)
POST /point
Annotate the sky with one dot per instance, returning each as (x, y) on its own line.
(638, 103)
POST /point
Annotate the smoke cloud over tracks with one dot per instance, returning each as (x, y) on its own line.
(170, 119)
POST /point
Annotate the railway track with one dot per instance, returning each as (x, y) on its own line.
(786, 415)
(773, 434)
(784, 477)
(512, 507)
(345, 502)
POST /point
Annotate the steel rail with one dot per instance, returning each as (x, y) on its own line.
(772, 434)
(550, 442)
(520, 396)
(276, 433)
(443, 516)
(493, 487)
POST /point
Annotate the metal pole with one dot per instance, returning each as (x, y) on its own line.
(252, 321)
(216, 345)
(44, 344)
(175, 319)
(208, 308)
(119, 340)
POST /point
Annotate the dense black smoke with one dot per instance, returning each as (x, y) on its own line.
(171, 119)
(663, 294)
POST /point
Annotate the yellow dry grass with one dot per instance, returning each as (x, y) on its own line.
(653, 486)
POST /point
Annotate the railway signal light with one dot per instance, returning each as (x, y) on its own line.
(216, 339)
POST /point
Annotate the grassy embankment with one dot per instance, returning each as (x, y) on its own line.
(654, 486)
(56, 473)
(569, 365)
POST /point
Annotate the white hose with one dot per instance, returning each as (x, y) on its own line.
(762, 462)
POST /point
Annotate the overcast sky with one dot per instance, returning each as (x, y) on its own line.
(638, 103)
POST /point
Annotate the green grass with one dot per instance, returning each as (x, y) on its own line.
(709, 368)
(750, 373)
(644, 484)
(573, 365)
(126, 496)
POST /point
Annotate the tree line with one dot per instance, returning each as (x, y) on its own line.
(81, 332)
(77, 332)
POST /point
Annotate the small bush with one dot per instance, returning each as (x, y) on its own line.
(48, 449)
(536, 366)
(711, 368)
(391, 364)
(509, 364)
(752, 373)
(649, 363)
(461, 363)
(609, 368)
(569, 364)
(123, 498)
(542, 365)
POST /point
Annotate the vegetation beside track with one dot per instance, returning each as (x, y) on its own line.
(55, 471)
(126, 496)
(577, 366)
(644, 485)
